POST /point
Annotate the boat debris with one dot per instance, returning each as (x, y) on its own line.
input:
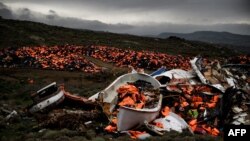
(47, 97)
(131, 95)
(200, 100)
(170, 122)
(236, 107)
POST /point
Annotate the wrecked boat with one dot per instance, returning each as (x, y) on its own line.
(140, 104)
(48, 96)
(222, 77)
(175, 74)
(109, 98)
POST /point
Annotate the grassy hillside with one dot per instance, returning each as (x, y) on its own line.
(24, 33)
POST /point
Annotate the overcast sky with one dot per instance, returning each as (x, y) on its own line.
(141, 17)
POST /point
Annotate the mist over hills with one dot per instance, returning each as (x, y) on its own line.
(16, 33)
(234, 41)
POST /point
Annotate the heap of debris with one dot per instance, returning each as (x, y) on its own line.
(201, 100)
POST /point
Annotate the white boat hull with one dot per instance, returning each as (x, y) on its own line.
(47, 102)
(128, 117)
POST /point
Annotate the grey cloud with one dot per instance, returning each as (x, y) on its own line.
(173, 11)
(86, 24)
(52, 15)
(189, 28)
(53, 19)
(195, 7)
(25, 14)
(186, 5)
(5, 12)
(52, 12)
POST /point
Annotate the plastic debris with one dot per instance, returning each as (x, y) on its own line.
(175, 100)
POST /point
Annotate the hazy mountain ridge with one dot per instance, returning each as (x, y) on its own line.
(235, 41)
(15, 33)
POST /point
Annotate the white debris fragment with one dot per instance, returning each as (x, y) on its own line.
(88, 122)
(236, 109)
(12, 114)
(240, 115)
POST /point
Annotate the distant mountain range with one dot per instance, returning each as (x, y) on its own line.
(16, 33)
(237, 42)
